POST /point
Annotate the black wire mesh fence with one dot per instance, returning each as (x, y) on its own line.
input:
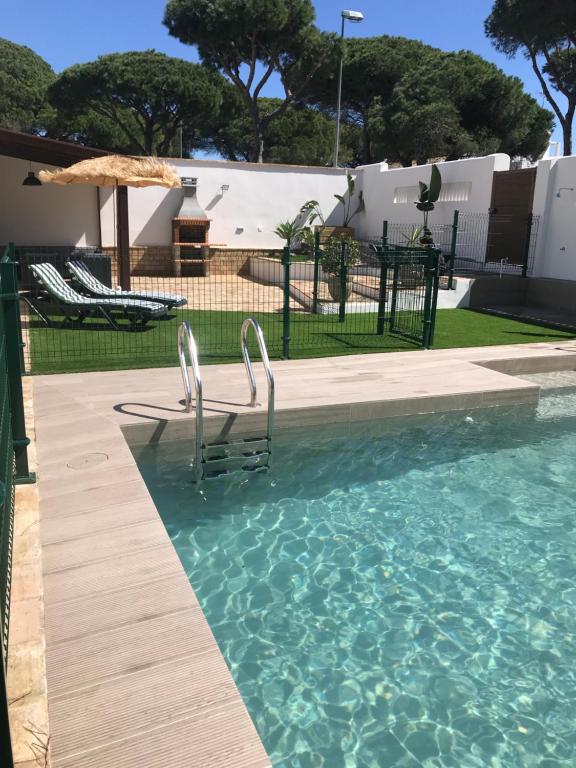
(477, 243)
(304, 310)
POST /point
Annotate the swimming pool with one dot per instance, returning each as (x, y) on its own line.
(395, 598)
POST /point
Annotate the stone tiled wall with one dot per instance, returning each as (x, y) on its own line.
(158, 260)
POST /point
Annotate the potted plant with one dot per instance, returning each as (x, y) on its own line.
(306, 241)
(429, 194)
(339, 252)
(314, 213)
(412, 238)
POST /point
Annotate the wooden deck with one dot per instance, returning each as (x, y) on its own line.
(135, 678)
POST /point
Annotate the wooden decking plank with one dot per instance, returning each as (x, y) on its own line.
(103, 545)
(86, 616)
(220, 738)
(89, 660)
(153, 697)
(60, 529)
(96, 578)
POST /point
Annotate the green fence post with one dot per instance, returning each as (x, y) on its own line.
(395, 271)
(316, 272)
(431, 296)
(382, 293)
(286, 305)
(10, 306)
(527, 247)
(384, 233)
(453, 249)
(5, 740)
(343, 284)
(435, 287)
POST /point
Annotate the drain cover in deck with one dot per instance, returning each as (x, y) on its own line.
(87, 460)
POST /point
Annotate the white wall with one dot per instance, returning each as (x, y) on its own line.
(556, 244)
(472, 178)
(260, 197)
(47, 215)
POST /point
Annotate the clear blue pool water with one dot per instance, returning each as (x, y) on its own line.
(395, 598)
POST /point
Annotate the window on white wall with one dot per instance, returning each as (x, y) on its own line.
(452, 192)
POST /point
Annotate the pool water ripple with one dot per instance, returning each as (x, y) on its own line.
(395, 599)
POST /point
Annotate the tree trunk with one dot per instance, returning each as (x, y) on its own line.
(257, 151)
(567, 129)
(257, 154)
(366, 148)
(567, 136)
(149, 138)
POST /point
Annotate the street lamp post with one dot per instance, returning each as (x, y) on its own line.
(355, 17)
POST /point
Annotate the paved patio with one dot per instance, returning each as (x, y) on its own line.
(135, 677)
(230, 293)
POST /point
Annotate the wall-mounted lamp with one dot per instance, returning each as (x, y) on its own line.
(31, 179)
(564, 189)
(224, 188)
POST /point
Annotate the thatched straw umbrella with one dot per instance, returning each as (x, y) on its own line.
(119, 172)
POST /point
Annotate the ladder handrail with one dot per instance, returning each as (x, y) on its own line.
(251, 322)
(186, 339)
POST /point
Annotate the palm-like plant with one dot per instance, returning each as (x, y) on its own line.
(313, 212)
(429, 194)
(412, 238)
(346, 200)
(290, 231)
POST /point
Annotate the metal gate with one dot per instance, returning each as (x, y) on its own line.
(384, 297)
(413, 279)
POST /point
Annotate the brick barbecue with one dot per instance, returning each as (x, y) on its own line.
(191, 225)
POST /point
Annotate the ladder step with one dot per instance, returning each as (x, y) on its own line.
(216, 474)
(236, 447)
(246, 457)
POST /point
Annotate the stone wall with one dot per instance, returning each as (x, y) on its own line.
(158, 260)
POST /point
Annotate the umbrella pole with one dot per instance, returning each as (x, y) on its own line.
(123, 236)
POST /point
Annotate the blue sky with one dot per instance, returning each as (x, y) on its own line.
(72, 31)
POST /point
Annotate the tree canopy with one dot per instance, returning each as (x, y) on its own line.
(137, 100)
(24, 79)
(545, 32)
(458, 106)
(250, 41)
(415, 103)
(372, 68)
(300, 136)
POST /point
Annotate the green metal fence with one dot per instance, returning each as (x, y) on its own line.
(305, 309)
(13, 462)
(385, 292)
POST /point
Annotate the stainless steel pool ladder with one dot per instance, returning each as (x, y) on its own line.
(249, 454)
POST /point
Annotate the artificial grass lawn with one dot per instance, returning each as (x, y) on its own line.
(55, 350)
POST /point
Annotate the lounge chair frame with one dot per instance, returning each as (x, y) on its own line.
(88, 283)
(76, 312)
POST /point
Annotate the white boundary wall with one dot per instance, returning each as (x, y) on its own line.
(556, 246)
(390, 193)
(47, 215)
(245, 216)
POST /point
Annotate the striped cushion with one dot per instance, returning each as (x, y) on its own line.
(52, 280)
(83, 275)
